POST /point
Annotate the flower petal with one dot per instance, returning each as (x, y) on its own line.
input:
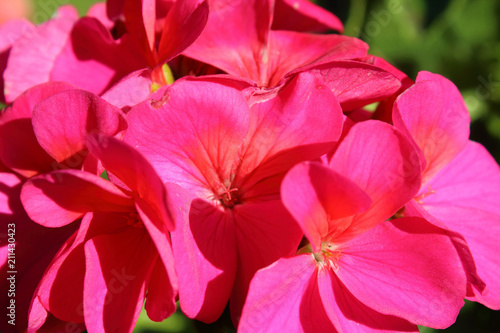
(282, 298)
(407, 268)
(378, 158)
(117, 268)
(318, 198)
(32, 57)
(204, 246)
(60, 197)
(356, 84)
(184, 23)
(291, 51)
(288, 129)
(160, 303)
(237, 30)
(265, 232)
(62, 122)
(434, 114)
(16, 132)
(135, 171)
(89, 57)
(464, 196)
(350, 315)
(192, 134)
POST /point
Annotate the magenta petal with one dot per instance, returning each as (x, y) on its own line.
(356, 84)
(189, 136)
(160, 302)
(183, 24)
(140, 19)
(134, 170)
(407, 268)
(58, 198)
(318, 198)
(464, 196)
(205, 257)
(350, 315)
(89, 58)
(379, 159)
(32, 57)
(239, 33)
(63, 121)
(130, 90)
(289, 51)
(19, 148)
(265, 232)
(288, 129)
(304, 15)
(10, 32)
(117, 268)
(283, 297)
(435, 115)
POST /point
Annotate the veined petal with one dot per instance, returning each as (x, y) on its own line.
(291, 51)
(435, 116)
(319, 198)
(117, 268)
(62, 122)
(89, 57)
(407, 268)
(60, 197)
(19, 148)
(265, 232)
(464, 196)
(32, 57)
(183, 25)
(355, 83)
(140, 20)
(288, 129)
(10, 32)
(204, 246)
(282, 298)
(350, 315)
(379, 159)
(241, 40)
(192, 134)
(135, 171)
(160, 302)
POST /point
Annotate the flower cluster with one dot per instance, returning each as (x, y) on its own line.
(222, 153)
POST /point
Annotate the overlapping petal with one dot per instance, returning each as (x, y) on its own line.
(435, 116)
(377, 158)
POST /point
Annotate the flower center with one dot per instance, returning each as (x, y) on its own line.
(228, 197)
(327, 257)
(134, 220)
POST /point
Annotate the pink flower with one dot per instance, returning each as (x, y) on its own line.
(239, 41)
(121, 248)
(228, 160)
(358, 272)
(84, 51)
(22, 157)
(461, 181)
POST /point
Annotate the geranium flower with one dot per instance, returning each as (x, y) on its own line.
(359, 272)
(461, 187)
(121, 249)
(22, 157)
(239, 41)
(84, 51)
(227, 160)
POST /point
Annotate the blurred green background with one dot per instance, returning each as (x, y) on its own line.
(459, 39)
